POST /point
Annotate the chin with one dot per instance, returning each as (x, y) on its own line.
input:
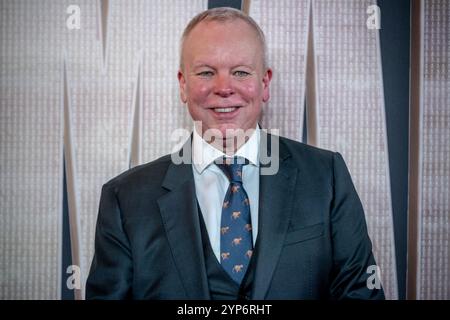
(227, 131)
(230, 131)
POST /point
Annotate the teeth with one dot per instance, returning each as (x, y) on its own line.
(223, 110)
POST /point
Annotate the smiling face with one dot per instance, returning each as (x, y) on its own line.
(223, 80)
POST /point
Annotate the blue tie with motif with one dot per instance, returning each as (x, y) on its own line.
(236, 245)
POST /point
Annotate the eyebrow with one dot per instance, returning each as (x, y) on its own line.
(201, 64)
(205, 65)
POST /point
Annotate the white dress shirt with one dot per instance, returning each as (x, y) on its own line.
(211, 184)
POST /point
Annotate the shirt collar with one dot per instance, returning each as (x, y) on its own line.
(203, 154)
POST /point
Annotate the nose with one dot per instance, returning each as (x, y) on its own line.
(223, 86)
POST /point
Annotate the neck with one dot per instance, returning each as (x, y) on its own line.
(229, 145)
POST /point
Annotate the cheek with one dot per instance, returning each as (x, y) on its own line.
(198, 92)
(251, 91)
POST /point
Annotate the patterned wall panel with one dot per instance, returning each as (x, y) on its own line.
(163, 111)
(433, 277)
(285, 24)
(30, 150)
(351, 116)
(100, 94)
(140, 40)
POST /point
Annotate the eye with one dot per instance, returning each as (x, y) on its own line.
(205, 74)
(241, 73)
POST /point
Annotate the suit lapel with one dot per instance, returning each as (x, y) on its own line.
(275, 205)
(179, 213)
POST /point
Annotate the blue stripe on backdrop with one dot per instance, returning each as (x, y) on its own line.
(305, 124)
(66, 293)
(224, 3)
(395, 56)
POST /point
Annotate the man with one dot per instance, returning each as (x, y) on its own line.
(217, 228)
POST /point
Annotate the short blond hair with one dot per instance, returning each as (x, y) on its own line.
(224, 14)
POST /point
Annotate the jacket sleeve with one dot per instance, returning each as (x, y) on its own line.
(110, 276)
(351, 245)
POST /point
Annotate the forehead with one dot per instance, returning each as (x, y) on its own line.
(230, 24)
(219, 38)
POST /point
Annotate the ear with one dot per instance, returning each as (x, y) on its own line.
(182, 83)
(266, 82)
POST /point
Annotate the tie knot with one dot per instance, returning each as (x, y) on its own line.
(232, 167)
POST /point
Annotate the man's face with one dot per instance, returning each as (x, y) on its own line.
(223, 80)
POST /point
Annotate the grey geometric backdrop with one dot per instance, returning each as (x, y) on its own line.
(89, 89)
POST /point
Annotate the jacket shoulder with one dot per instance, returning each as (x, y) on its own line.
(146, 173)
(306, 152)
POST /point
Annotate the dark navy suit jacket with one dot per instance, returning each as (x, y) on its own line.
(312, 237)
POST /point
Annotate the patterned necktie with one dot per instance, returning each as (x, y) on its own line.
(236, 245)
